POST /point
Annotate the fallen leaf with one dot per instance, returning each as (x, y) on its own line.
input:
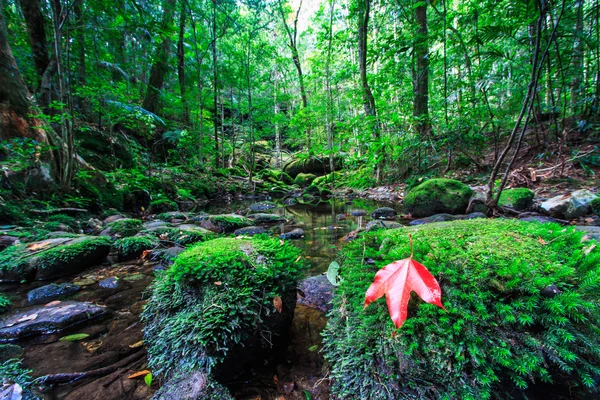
(139, 374)
(278, 304)
(275, 379)
(145, 254)
(218, 283)
(148, 379)
(313, 348)
(281, 242)
(37, 246)
(589, 249)
(396, 281)
(298, 259)
(136, 344)
(74, 338)
(52, 303)
(27, 318)
(542, 241)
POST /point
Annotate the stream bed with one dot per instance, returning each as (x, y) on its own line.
(113, 341)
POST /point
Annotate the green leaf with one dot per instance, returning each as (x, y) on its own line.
(313, 348)
(148, 379)
(74, 338)
(307, 395)
(333, 273)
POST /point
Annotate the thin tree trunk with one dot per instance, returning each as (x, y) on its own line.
(421, 72)
(577, 60)
(215, 81)
(181, 65)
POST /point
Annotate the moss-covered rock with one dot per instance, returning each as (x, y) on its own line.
(224, 223)
(595, 204)
(519, 199)
(123, 228)
(520, 312)
(303, 179)
(311, 165)
(182, 234)
(162, 206)
(52, 258)
(129, 248)
(213, 310)
(437, 196)
(331, 178)
(275, 176)
(194, 386)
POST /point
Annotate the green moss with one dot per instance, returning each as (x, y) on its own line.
(182, 236)
(124, 227)
(595, 204)
(27, 235)
(11, 214)
(171, 215)
(275, 176)
(303, 179)
(132, 247)
(229, 222)
(436, 196)
(502, 330)
(519, 198)
(4, 303)
(211, 300)
(64, 219)
(162, 206)
(331, 178)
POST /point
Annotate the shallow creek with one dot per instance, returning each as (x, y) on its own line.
(114, 346)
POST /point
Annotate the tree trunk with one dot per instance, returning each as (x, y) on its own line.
(34, 20)
(421, 72)
(181, 65)
(80, 40)
(160, 67)
(368, 99)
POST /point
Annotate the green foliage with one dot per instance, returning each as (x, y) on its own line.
(181, 236)
(504, 329)
(163, 205)
(5, 303)
(133, 246)
(12, 371)
(595, 204)
(210, 300)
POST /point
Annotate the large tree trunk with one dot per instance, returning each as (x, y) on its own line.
(34, 20)
(421, 71)
(15, 119)
(160, 67)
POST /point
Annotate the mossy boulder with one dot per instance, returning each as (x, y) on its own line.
(162, 206)
(122, 228)
(132, 247)
(224, 223)
(311, 165)
(519, 199)
(328, 179)
(437, 196)
(522, 310)
(182, 234)
(213, 310)
(52, 258)
(262, 218)
(195, 386)
(275, 176)
(303, 179)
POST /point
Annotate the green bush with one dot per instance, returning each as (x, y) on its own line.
(211, 300)
(522, 309)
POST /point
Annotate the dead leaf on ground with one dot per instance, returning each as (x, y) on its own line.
(139, 374)
(136, 344)
(52, 303)
(145, 254)
(589, 249)
(278, 304)
(37, 246)
(218, 283)
(542, 241)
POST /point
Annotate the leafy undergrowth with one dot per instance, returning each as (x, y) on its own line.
(522, 310)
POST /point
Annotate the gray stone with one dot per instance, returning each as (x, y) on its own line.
(297, 233)
(317, 292)
(569, 206)
(266, 218)
(191, 386)
(263, 206)
(112, 283)
(476, 215)
(151, 225)
(358, 213)
(375, 225)
(51, 292)
(43, 320)
(592, 231)
(249, 231)
(224, 223)
(384, 213)
(433, 218)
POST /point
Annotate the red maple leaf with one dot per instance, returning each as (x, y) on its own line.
(397, 280)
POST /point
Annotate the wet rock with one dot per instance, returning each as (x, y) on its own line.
(437, 196)
(266, 218)
(358, 213)
(433, 218)
(478, 199)
(592, 231)
(192, 386)
(341, 217)
(112, 283)
(573, 205)
(130, 248)
(249, 231)
(171, 253)
(384, 213)
(53, 291)
(550, 291)
(475, 215)
(113, 218)
(154, 224)
(297, 233)
(537, 218)
(6, 241)
(318, 293)
(263, 206)
(303, 179)
(224, 223)
(42, 320)
(374, 225)
(8, 351)
(290, 201)
(52, 258)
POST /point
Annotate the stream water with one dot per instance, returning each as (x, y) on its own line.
(120, 333)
